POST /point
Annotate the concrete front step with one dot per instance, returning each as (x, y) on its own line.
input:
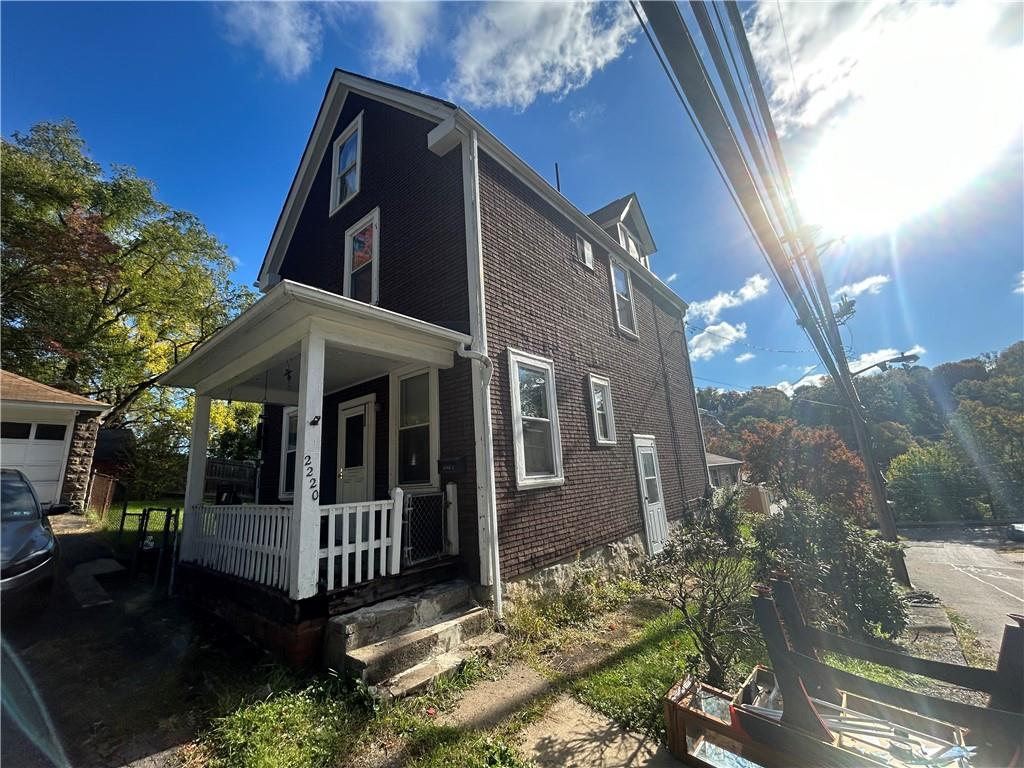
(377, 622)
(421, 677)
(395, 654)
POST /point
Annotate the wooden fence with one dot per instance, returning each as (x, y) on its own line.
(102, 490)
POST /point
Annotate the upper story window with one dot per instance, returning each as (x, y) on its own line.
(345, 165)
(584, 251)
(538, 445)
(362, 259)
(289, 441)
(622, 286)
(601, 408)
(631, 243)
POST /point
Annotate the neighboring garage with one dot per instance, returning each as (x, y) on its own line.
(50, 435)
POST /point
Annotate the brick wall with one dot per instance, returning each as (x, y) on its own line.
(541, 300)
(75, 490)
(422, 220)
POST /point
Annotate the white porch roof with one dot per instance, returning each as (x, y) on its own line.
(249, 358)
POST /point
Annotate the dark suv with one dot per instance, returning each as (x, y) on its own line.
(30, 551)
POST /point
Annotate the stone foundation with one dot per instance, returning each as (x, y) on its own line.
(617, 560)
(75, 490)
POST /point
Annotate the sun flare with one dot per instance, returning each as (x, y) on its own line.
(940, 99)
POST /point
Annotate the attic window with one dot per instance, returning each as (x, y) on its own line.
(632, 244)
(346, 164)
(584, 251)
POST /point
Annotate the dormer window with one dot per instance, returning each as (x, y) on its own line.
(631, 243)
(346, 163)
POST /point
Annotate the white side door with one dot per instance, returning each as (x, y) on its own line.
(355, 450)
(653, 504)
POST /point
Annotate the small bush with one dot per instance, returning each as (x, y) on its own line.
(840, 572)
(704, 573)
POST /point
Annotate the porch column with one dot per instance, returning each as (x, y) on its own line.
(304, 543)
(195, 479)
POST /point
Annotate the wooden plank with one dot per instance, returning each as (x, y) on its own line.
(397, 508)
(359, 540)
(344, 548)
(331, 514)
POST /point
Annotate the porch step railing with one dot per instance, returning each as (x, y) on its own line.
(245, 540)
(360, 541)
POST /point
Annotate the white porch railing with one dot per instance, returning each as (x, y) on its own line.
(360, 541)
(246, 540)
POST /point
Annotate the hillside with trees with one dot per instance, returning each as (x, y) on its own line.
(950, 438)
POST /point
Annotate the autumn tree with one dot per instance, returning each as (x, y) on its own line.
(102, 286)
(792, 458)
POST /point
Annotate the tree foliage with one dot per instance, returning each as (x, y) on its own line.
(103, 287)
(840, 572)
(791, 458)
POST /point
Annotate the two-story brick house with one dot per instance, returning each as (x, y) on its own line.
(462, 375)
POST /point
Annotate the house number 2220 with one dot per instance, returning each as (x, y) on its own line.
(307, 462)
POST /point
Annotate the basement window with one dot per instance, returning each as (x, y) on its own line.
(601, 409)
(538, 448)
(622, 287)
(346, 162)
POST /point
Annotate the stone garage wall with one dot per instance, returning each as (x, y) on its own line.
(75, 490)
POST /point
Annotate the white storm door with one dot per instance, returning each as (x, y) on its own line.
(355, 451)
(653, 504)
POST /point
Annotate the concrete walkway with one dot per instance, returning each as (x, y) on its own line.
(571, 735)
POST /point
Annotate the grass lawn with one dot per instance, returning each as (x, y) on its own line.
(112, 521)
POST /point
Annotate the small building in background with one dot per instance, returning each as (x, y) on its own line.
(724, 471)
(50, 435)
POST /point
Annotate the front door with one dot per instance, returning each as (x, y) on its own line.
(355, 450)
(653, 505)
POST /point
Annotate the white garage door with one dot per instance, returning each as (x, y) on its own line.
(37, 449)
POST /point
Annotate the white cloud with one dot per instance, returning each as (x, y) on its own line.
(672, 278)
(509, 53)
(870, 358)
(874, 92)
(754, 287)
(1020, 284)
(872, 285)
(581, 114)
(716, 338)
(288, 35)
(746, 356)
(403, 31)
(807, 381)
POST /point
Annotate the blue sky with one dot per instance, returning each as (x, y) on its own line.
(215, 102)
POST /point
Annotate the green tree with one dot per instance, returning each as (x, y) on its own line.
(102, 286)
(933, 482)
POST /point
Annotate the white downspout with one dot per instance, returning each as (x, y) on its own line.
(482, 366)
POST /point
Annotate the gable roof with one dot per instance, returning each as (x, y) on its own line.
(627, 206)
(15, 388)
(438, 111)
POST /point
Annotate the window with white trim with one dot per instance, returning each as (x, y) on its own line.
(584, 251)
(289, 443)
(538, 447)
(622, 287)
(414, 459)
(346, 163)
(602, 410)
(631, 243)
(362, 259)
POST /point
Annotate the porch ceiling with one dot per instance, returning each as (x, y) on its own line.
(249, 358)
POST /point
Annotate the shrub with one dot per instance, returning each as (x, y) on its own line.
(705, 573)
(841, 572)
